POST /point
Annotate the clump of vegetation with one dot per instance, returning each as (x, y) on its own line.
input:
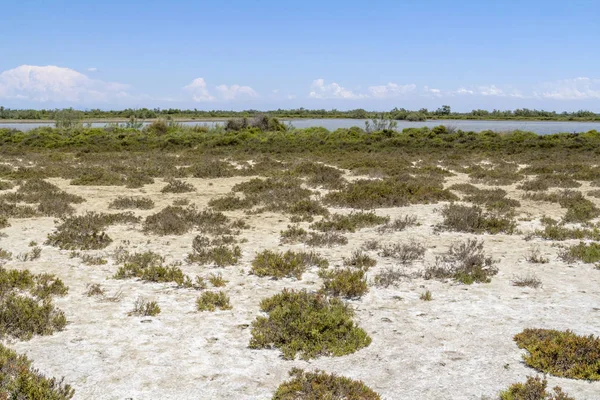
(97, 176)
(588, 253)
(175, 220)
(555, 231)
(210, 301)
(19, 380)
(26, 307)
(6, 185)
(320, 175)
(360, 260)
(350, 222)
(561, 353)
(285, 265)
(150, 267)
(390, 276)
(95, 289)
(308, 324)
(294, 234)
(464, 262)
(399, 224)
(500, 174)
(85, 232)
(493, 200)
(579, 209)
(426, 296)
(32, 255)
(320, 385)
(536, 257)
(205, 251)
(217, 280)
(367, 194)
(473, 219)
(533, 389)
(345, 282)
(177, 186)
(406, 253)
(526, 280)
(327, 239)
(131, 203)
(145, 308)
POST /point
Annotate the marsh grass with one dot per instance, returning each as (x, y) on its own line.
(307, 324)
(320, 385)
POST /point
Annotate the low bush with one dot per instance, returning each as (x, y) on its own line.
(536, 257)
(345, 282)
(176, 186)
(501, 174)
(19, 380)
(308, 324)
(464, 262)
(405, 253)
(368, 194)
(320, 385)
(205, 251)
(360, 260)
(426, 296)
(579, 209)
(588, 253)
(210, 301)
(175, 220)
(390, 276)
(284, 265)
(472, 219)
(526, 280)
(350, 222)
(217, 280)
(85, 232)
(294, 234)
(144, 308)
(399, 224)
(533, 389)
(150, 267)
(131, 203)
(327, 239)
(561, 353)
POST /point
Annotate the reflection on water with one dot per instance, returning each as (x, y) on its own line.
(539, 127)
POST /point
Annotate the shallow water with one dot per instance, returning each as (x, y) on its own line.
(539, 127)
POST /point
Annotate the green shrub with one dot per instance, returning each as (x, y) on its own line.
(175, 220)
(210, 301)
(175, 186)
(426, 296)
(6, 185)
(399, 224)
(131, 203)
(294, 234)
(217, 280)
(144, 308)
(18, 380)
(464, 262)
(561, 353)
(366, 194)
(23, 317)
(310, 324)
(283, 265)
(327, 239)
(85, 232)
(533, 389)
(360, 260)
(588, 253)
(320, 385)
(350, 222)
(579, 209)
(405, 253)
(461, 218)
(346, 282)
(97, 176)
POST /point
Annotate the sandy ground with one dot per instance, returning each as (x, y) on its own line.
(458, 346)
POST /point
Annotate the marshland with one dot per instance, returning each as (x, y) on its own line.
(254, 260)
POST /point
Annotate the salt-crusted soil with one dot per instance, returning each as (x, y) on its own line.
(458, 346)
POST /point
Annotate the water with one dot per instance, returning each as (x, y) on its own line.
(539, 127)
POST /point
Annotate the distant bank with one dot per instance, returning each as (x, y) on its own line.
(539, 127)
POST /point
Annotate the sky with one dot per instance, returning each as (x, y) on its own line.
(263, 54)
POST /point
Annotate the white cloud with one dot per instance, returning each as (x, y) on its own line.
(463, 90)
(390, 90)
(572, 89)
(433, 92)
(234, 92)
(491, 90)
(319, 90)
(92, 69)
(199, 90)
(56, 84)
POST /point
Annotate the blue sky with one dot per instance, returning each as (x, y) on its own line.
(314, 54)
